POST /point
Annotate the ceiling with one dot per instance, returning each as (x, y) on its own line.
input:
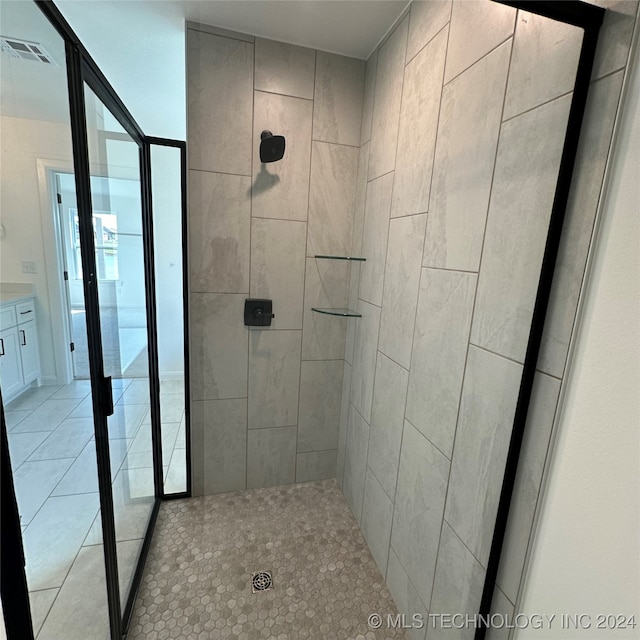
(139, 45)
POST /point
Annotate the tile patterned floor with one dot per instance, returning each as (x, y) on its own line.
(50, 433)
(196, 584)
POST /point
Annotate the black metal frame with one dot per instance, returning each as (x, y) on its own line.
(589, 18)
(82, 71)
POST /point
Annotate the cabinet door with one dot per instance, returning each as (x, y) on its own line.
(29, 350)
(10, 363)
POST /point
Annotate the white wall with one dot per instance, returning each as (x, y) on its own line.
(586, 556)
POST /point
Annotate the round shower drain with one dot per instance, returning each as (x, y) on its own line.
(261, 581)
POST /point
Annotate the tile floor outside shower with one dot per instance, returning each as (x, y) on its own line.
(51, 442)
(197, 580)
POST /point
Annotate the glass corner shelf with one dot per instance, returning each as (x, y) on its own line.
(355, 259)
(345, 313)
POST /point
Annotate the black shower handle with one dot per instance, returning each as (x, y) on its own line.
(259, 314)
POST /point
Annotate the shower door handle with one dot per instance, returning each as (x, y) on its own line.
(106, 396)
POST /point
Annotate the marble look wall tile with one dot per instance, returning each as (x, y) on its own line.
(319, 418)
(369, 89)
(615, 35)
(386, 102)
(387, 420)
(418, 125)
(219, 446)
(585, 191)
(405, 595)
(501, 605)
(487, 407)
(374, 238)
(364, 358)
(323, 336)
(315, 465)
(277, 268)
(360, 200)
(281, 189)
(284, 68)
(427, 18)
(355, 462)
(219, 345)
(463, 167)
(420, 496)
(544, 400)
(219, 227)
(331, 199)
(439, 353)
(271, 457)
(401, 284)
(274, 378)
(476, 28)
(344, 421)
(377, 513)
(543, 64)
(517, 225)
(219, 31)
(220, 87)
(457, 587)
(337, 108)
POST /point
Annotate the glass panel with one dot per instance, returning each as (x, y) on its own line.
(117, 220)
(48, 409)
(167, 236)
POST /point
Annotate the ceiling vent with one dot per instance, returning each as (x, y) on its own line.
(25, 49)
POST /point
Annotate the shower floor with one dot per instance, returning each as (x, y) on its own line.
(197, 580)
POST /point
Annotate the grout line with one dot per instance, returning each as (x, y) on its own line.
(283, 95)
(537, 106)
(495, 353)
(221, 173)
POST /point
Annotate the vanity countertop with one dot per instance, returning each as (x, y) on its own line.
(12, 293)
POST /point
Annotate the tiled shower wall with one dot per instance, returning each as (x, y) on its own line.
(464, 116)
(266, 402)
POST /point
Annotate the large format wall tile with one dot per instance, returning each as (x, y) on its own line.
(271, 457)
(344, 421)
(418, 125)
(219, 445)
(463, 168)
(387, 420)
(364, 358)
(401, 284)
(487, 408)
(274, 378)
(500, 604)
(331, 199)
(219, 344)
(277, 268)
(374, 238)
(377, 513)
(284, 68)
(457, 587)
(386, 102)
(476, 28)
(219, 227)
(319, 419)
(315, 465)
(544, 62)
(360, 200)
(323, 336)
(337, 109)
(220, 79)
(369, 88)
(439, 353)
(542, 408)
(522, 196)
(355, 461)
(586, 186)
(427, 18)
(419, 504)
(281, 189)
(405, 596)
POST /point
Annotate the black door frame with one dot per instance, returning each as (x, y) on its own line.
(83, 71)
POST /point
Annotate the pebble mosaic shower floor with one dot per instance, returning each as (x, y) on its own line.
(197, 581)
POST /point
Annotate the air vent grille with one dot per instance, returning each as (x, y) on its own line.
(25, 49)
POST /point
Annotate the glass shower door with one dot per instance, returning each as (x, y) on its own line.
(116, 197)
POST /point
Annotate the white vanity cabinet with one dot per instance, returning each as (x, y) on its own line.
(19, 357)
